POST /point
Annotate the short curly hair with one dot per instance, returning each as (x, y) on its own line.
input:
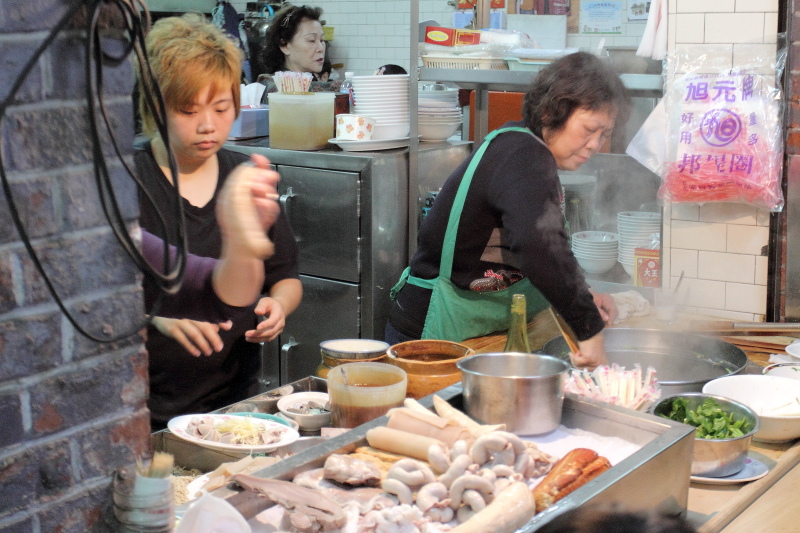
(186, 54)
(576, 81)
(281, 30)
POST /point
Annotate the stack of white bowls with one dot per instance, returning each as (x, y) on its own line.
(439, 114)
(635, 229)
(596, 251)
(384, 99)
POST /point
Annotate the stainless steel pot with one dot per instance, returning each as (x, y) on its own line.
(684, 362)
(523, 391)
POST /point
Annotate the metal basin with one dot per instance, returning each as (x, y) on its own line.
(684, 362)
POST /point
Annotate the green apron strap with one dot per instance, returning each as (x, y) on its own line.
(449, 244)
(407, 277)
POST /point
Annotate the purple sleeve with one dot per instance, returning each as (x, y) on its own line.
(196, 299)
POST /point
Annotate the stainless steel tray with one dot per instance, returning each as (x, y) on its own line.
(656, 476)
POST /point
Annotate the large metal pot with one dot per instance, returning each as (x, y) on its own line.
(684, 362)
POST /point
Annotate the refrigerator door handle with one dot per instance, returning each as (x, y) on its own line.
(286, 350)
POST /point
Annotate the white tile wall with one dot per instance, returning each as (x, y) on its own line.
(718, 245)
(720, 266)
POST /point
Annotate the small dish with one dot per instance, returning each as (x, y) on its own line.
(794, 350)
(178, 427)
(366, 146)
(783, 370)
(267, 402)
(753, 469)
(289, 405)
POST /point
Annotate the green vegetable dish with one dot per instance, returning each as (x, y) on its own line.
(709, 419)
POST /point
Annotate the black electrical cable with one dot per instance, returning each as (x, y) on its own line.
(96, 56)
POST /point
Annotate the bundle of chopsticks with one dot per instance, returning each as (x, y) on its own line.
(292, 82)
(613, 384)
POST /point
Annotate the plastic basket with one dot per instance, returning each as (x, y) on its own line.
(474, 63)
(515, 63)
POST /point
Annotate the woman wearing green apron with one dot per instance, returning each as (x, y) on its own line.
(497, 227)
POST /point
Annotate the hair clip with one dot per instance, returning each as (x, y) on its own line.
(285, 21)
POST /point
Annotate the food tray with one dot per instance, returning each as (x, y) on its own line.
(515, 63)
(458, 62)
(655, 476)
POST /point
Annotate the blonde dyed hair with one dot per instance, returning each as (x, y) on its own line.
(186, 55)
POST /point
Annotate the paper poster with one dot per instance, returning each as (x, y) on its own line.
(601, 17)
(638, 10)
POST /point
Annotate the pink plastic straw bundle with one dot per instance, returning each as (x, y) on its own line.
(292, 82)
(617, 386)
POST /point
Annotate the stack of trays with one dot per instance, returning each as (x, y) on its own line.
(596, 251)
(635, 229)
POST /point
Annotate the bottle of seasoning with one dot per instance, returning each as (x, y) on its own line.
(347, 88)
(518, 326)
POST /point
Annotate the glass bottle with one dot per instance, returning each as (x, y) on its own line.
(518, 326)
(347, 88)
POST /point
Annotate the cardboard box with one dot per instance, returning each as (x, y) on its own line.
(252, 122)
(451, 36)
(646, 267)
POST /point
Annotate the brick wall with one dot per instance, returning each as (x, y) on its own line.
(72, 410)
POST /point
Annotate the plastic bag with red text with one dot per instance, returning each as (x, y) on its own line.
(724, 126)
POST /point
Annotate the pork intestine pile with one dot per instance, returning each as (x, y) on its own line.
(416, 496)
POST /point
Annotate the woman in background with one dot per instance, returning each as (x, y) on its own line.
(507, 233)
(198, 69)
(294, 43)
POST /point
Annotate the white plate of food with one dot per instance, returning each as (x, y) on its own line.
(365, 146)
(232, 433)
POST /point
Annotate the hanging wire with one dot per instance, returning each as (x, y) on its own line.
(96, 57)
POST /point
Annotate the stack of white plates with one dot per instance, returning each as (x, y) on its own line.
(437, 119)
(596, 251)
(635, 229)
(385, 99)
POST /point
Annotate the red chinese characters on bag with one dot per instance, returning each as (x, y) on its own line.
(724, 139)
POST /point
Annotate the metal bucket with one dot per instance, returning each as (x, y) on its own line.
(684, 362)
(523, 391)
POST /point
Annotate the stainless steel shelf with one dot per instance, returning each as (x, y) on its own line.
(514, 80)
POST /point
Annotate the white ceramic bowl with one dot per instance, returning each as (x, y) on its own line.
(390, 131)
(794, 350)
(767, 396)
(437, 132)
(783, 370)
(596, 266)
(595, 237)
(307, 422)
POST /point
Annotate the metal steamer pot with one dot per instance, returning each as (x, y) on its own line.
(684, 362)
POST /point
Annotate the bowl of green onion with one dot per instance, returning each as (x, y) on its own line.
(724, 429)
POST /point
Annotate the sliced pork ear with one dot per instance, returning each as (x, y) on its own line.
(309, 510)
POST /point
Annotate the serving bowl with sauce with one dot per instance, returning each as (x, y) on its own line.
(429, 363)
(360, 392)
